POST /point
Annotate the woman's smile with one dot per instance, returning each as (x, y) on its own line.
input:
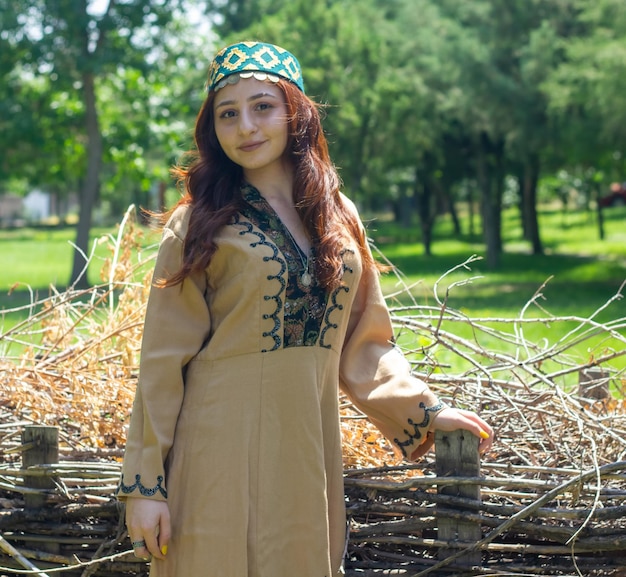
(251, 146)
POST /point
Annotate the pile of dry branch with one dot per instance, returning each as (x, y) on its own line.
(553, 488)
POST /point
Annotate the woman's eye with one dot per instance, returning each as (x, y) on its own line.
(263, 106)
(227, 114)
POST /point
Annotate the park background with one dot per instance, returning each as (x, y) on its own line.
(489, 128)
(480, 140)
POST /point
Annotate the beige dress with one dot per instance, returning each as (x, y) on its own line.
(235, 421)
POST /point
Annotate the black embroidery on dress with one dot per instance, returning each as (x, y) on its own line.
(304, 305)
(335, 305)
(417, 434)
(274, 332)
(142, 489)
(346, 268)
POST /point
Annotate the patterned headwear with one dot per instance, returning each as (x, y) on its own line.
(246, 59)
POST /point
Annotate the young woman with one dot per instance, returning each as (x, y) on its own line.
(266, 300)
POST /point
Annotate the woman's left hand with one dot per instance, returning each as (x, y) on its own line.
(451, 419)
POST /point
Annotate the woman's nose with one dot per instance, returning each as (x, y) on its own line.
(246, 123)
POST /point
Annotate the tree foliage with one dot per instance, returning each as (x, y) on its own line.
(588, 87)
(63, 54)
(428, 103)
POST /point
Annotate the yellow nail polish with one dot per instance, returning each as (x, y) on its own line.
(164, 549)
(484, 435)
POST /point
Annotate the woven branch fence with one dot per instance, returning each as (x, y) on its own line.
(548, 499)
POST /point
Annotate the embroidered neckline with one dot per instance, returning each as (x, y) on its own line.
(304, 305)
(277, 296)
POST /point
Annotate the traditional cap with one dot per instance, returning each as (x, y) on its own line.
(263, 61)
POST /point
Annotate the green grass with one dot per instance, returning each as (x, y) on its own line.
(576, 276)
(39, 257)
(581, 271)
(32, 260)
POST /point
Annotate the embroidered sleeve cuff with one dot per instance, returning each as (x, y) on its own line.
(157, 489)
(417, 439)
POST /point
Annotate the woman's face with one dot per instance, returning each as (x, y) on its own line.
(251, 124)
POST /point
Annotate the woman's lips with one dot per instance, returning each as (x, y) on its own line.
(250, 146)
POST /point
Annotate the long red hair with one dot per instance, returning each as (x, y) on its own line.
(211, 183)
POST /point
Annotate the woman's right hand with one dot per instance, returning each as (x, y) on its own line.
(451, 419)
(148, 520)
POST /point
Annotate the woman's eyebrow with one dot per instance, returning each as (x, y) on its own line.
(262, 95)
(250, 99)
(225, 103)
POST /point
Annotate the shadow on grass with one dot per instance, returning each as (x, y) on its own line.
(15, 306)
(514, 267)
(569, 285)
(480, 296)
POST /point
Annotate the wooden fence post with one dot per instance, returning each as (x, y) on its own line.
(40, 447)
(593, 383)
(457, 456)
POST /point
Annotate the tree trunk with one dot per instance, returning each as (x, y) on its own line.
(423, 196)
(359, 159)
(498, 192)
(490, 205)
(451, 208)
(403, 207)
(91, 186)
(454, 215)
(470, 207)
(600, 217)
(490, 232)
(529, 201)
(521, 205)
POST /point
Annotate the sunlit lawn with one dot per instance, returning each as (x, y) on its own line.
(34, 262)
(41, 257)
(581, 271)
(576, 276)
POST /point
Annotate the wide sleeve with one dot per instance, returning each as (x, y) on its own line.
(377, 377)
(177, 324)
